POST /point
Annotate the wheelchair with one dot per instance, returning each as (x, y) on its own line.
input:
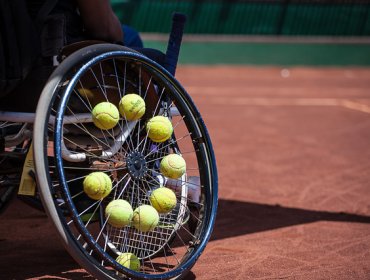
(67, 146)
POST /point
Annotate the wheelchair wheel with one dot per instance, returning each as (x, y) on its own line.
(68, 147)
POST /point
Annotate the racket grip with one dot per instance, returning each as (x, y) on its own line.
(174, 42)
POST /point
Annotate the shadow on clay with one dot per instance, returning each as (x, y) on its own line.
(235, 218)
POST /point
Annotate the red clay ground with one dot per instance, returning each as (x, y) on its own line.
(294, 159)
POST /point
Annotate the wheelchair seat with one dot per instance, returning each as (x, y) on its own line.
(25, 96)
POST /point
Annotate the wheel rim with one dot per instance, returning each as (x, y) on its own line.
(202, 152)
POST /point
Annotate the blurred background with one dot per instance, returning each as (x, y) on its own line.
(262, 32)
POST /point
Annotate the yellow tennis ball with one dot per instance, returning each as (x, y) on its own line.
(105, 115)
(119, 213)
(129, 260)
(132, 107)
(173, 166)
(97, 185)
(159, 129)
(145, 218)
(163, 200)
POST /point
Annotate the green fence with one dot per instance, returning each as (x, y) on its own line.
(263, 17)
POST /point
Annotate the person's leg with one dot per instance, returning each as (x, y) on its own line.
(131, 37)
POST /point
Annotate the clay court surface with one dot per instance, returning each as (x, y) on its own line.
(293, 153)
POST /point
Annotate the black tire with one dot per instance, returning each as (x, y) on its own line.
(108, 72)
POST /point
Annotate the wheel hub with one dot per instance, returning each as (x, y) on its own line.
(136, 165)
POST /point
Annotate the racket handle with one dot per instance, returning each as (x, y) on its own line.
(174, 42)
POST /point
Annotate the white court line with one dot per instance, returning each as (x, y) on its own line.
(260, 101)
(355, 106)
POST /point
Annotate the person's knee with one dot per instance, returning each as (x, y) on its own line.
(131, 37)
